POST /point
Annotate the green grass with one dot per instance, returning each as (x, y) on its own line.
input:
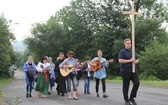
(3, 82)
(0, 94)
(163, 84)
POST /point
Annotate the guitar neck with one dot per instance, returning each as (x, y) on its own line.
(108, 61)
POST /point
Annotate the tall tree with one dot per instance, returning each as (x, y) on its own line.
(89, 25)
(7, 54)
(47, 39)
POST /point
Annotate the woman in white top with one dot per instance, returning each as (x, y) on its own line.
(42, 86)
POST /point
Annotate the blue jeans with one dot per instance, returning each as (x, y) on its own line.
(87, 84)
(28, 86)
(73, 78)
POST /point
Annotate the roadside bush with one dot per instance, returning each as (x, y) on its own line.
(154, 61)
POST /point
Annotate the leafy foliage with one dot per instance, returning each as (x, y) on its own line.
(7, 54)
(86, 26)
(47, 39)
(153, 62)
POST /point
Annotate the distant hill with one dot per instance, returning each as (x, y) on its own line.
(19, 46)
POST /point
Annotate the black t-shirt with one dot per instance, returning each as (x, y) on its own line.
(57, 63)
(126, 54)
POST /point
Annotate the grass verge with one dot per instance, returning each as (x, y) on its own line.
(163, 84)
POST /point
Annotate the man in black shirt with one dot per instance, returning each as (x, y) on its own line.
(125, 59)
(61, 86)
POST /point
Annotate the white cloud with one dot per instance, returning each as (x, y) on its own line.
(27, 12)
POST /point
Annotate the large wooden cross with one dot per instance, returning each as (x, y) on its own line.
(132, 13)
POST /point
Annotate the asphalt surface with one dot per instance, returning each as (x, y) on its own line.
(14, 93)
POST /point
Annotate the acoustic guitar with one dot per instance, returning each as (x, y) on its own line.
(96, 65)
(66, 70)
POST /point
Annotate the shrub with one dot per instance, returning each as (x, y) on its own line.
(154, 61)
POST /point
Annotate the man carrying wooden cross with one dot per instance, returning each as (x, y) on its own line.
(128, 59)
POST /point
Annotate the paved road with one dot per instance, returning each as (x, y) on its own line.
(15, 92)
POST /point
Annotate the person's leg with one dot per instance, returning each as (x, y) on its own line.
(27, 87)
(126, 81)
(88, 86)
(135, 80)
(49, 85)
(38, 84)
(27, 90)
(104, 88)
(74, 82)
(103, 85)
(63, 86)
(77, 85)
(49, 88)
(97, 86)
(52, 84)
(58, 81)
(58, 91)
(45, 90)
(69, 87)
(30, 89)
(85, 85)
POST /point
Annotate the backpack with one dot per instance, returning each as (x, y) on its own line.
(30, 73)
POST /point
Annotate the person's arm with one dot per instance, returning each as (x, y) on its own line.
(94, 59)
(63, 63)
(34, 66)
(24, 67)
(38, 67)
(84, 68)
(48, 67)
(56, 66)
(137, 60)
(122, 60)
(106, 64)
(126, 60)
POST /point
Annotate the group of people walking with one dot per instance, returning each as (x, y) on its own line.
(46, 73)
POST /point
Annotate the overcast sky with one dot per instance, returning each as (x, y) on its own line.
(27, 12)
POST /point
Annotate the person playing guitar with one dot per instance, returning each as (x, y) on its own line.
(100, 73)
(70, 63)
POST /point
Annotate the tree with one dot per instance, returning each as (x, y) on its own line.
(79, 21)
(19, 59)
(47, 39)
(154, 60)
(88, 25)
(7, 54)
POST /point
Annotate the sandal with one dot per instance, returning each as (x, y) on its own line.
(69, 98)
(44, 96)
(75, 98)
(39, 95)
